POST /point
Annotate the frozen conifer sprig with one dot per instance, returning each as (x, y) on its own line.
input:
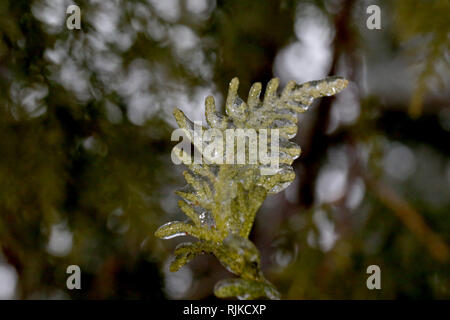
(221, 200)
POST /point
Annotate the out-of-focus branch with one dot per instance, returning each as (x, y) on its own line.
(410, 217)
(312, 152)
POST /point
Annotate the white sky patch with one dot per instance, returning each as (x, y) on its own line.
(8, 281)
(399, 161)
(60, 242)
(58, 53)
(29, 98)
(113, 112)
(106, 21)
(327, 234)
(117, 222)
(52, 13)
(331, 184)
(177, 284)
(197, 6)
(140, 107)
(183, 38)
(107, 63)
(134, 88)
(285, 253)
(187, 48)
(345, 109)
(355, 194)
(138, 78)
(140, 86)
(284, 258)
(32, 100)
(74, 79)
(169, 10)
(308, 58)
(192, 106)
(201, 8)
(156, 30)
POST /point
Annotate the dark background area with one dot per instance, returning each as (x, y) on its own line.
(85, 122)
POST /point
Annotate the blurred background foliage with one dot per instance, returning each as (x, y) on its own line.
(85, 123)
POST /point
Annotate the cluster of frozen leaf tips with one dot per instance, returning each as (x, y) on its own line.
(221, 200)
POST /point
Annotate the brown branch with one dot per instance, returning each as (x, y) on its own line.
(410, 217)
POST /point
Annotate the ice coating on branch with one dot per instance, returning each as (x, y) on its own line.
(245, 289)
(221, 200)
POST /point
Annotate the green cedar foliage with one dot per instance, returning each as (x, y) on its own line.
(221, 200)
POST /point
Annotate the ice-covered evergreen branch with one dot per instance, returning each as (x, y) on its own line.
(221, 200)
